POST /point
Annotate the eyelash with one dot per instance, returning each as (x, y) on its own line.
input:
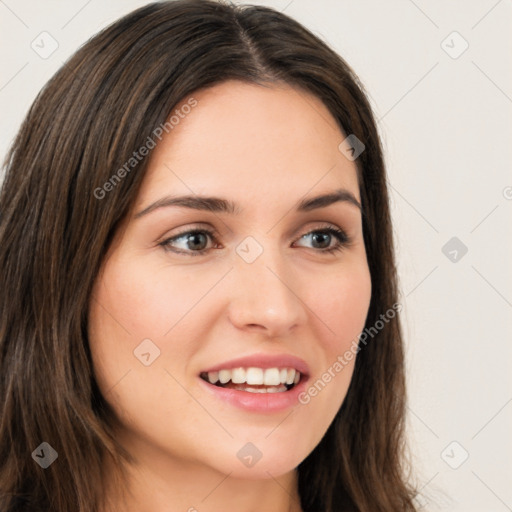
(342, 238)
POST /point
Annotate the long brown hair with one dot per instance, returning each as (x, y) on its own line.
(55, 230)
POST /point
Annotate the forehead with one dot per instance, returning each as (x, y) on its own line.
(245, 137)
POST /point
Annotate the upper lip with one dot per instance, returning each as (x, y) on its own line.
(263, 361)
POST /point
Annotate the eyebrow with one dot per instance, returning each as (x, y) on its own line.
(220, 205)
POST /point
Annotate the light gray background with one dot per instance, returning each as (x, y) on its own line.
(446, 127)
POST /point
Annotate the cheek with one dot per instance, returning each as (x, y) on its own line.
(341, 302)
(133, 303)
(148, 300)
(130, 305)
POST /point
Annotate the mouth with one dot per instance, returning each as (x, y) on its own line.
(254, 379)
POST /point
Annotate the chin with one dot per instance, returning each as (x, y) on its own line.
(258, 460)
(273, 468)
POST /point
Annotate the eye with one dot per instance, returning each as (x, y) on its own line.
(193, 241)
(325, 236)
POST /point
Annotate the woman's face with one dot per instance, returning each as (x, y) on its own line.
(256, 284)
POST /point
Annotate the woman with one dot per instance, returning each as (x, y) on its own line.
(199, 296)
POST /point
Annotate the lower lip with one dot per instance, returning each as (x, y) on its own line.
(258, 402)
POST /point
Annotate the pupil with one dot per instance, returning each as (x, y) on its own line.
(325, 235)
(194, 238)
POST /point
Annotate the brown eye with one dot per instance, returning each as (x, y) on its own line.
(191, 242)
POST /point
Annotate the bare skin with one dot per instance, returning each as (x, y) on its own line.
(266, 149)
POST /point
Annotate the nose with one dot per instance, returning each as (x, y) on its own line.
(266, 296)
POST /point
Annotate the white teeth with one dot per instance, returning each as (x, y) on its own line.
(238, 375)
(273, 389)
(256, 376)
(224, 376)
(291, 376)
(271, 377)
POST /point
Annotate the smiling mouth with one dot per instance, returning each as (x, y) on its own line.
(254, 380)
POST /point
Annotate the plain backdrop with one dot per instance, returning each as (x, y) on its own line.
(439, 77)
